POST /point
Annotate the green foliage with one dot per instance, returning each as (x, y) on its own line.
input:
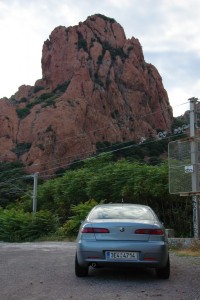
(22, 148)
(18, 226)
(178, 122)
(106, 18)
(100, 60)
(101, 146)
(133, 151)
(37, 88)
(22, 100)
(115, 114)
(49, 128)
(97, 80)
(62, 87)
(12, 182)
(96, 163)
(106, 178)
(41, 147)
(23, 112)
(80, 211)
(49, 102)
(82, 43)
(113, 51)
(46, 99)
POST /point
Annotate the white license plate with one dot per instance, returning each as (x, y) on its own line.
(121, 255)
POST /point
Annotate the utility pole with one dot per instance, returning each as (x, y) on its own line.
(194, 162)
(35, 178)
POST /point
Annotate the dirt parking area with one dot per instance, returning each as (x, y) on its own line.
(45, 271)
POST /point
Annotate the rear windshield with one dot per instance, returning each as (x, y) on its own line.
(121, 212)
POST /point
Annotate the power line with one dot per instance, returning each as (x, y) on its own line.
(91, 152)
(112, 151)
(83, 135)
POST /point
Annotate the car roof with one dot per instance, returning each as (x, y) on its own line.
(122, 204)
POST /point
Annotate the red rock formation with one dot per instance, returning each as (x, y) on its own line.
(96, 86)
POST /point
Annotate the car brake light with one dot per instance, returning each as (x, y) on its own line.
(149, 231)
(94, 230)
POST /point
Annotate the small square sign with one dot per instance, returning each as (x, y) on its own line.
(189, 169)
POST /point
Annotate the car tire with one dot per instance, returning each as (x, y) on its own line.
(79, 270)
(164, 273)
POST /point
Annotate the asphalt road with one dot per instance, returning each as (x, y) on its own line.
(45, 271)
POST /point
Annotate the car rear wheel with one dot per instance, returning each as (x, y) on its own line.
(79, 270)
(163, 273)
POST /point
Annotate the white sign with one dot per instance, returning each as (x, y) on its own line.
(189, 169)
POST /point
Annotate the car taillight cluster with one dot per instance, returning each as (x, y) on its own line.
(149, 231)
(94, 230)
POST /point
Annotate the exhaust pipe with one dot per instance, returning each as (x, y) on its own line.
(93, 265)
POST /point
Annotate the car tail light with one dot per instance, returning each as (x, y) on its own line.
(149, 231)
(94, 230)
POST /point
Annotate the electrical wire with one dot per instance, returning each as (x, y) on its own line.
(83, 135)
(104, 148)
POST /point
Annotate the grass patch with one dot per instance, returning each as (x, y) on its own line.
(192, 250)
(187, 252)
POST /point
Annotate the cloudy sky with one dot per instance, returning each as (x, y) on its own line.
(168, 30)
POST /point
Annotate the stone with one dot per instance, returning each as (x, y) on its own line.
(95, 87)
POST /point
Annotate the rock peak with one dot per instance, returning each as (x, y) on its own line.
(95, 87)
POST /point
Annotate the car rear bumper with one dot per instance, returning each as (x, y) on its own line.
(150, 254)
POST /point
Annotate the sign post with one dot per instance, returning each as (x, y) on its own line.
(35, 178)
(184, 167)
(194, 161)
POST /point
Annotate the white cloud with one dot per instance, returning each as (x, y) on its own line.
(168, 31)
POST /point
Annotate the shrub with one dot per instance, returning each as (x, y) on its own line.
(82, 43)
(49, 102)
(62, 87)
(106, 18)
(18, 226)
(45, 96)
(23, 112)
(22, 148)
(38, 88)
(100, 59)
(80, 211)
(49, 128)
(23, 100)
(97, 80)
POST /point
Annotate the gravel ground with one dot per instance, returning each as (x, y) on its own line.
(45, 271)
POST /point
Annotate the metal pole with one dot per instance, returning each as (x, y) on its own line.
(35, 177)
(194, 162)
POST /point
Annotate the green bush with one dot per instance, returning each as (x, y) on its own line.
(80, 211)
(82, 43)
(100, 59)
(107, 19)
(62, 87)
(21, 148)
(45, 96)
(38, 88)
(18, 226)
(23, 100)
(49, 102)
(23, 112)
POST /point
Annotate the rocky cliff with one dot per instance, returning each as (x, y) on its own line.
(95, 87)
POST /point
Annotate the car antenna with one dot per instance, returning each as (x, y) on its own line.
(122, 200)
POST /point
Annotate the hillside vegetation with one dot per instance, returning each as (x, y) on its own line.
(130, 173)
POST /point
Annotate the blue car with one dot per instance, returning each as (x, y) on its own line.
(122, 235)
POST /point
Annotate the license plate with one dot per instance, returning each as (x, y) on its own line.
(121, 255)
